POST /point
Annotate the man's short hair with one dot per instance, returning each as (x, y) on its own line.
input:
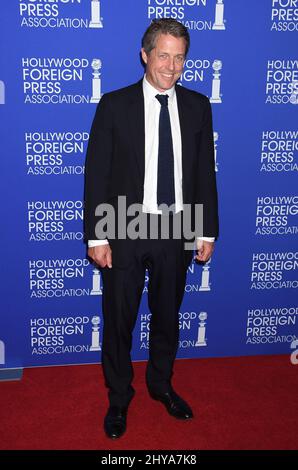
(164, 26)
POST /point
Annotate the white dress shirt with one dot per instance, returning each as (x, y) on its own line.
(152, 111)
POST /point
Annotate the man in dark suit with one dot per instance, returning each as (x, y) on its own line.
(151, 142)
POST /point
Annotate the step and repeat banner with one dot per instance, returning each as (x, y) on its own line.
(58, 57)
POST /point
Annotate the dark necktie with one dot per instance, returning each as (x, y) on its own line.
(165, 172)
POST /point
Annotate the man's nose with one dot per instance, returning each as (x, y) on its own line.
(171, 64)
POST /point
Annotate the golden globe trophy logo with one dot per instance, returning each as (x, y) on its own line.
(2, 92)
(55, 278)
(199, 278)
(196, 15)
(192, 327)
(63, 80)
(204, 72)
(51, 14)
(2, 352)
(294, 354)
(64, 334)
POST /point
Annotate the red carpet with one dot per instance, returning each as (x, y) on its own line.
(239, 403)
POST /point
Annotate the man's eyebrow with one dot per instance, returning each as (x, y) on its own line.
(164, 52)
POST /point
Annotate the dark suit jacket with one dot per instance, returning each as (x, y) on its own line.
(115, 160)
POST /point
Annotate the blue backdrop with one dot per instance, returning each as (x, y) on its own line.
(58, 57)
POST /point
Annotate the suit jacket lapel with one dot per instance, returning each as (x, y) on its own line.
(185, 126)
(136, 119)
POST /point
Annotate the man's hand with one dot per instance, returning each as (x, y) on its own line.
(102, 255)
(204, 250)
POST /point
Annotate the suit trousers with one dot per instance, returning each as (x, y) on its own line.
(167, 264)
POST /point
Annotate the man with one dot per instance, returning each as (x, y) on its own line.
(151, 142)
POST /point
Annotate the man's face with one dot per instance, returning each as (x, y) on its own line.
(164, 64)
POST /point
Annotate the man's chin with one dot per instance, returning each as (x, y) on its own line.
(166, 86)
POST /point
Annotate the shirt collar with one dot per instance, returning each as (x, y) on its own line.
(150, 92)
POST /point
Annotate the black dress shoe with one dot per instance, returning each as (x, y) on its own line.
(174, 404)
(115, 422)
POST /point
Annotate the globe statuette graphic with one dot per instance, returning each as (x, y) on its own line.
(95, 320)
(96, 64)
(217, 65)
(203, 316)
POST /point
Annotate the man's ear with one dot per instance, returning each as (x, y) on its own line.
(144, 55)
